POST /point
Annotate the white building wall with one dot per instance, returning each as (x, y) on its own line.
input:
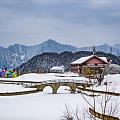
(57, 69)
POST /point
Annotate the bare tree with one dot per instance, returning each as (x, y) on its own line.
(76, 114)
(68, 114)
(106, 103)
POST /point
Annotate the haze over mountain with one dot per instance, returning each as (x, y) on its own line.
(17, 54)
(115, 49)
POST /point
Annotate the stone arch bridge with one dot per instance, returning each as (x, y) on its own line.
(55, 84)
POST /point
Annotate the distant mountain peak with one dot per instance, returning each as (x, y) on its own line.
(117, 44)
(106, 44)
(51, 41)
(17, 54)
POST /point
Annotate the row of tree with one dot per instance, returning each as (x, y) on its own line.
(45, 61)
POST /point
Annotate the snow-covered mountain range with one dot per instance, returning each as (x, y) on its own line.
(115, 49)
(17, 54)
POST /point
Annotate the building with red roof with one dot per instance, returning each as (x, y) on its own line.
(89, 65)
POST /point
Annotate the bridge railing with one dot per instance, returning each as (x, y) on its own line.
(56, 81)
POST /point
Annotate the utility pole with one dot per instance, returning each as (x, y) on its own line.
(94, 50)
(111, 50)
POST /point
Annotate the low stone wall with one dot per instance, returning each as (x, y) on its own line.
(102, 116)
(19, 93)
(101, 92)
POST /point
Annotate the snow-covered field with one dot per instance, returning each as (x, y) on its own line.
(44, 105)
(47, 76)
(38, 106)
(113, 83)
(7, 88)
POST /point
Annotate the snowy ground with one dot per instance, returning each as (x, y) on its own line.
(7, 88)
(113, 83)
(47, 76)
(44, 105)
(38, 106)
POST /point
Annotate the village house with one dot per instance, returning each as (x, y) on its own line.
(57, 69)
(89, 65)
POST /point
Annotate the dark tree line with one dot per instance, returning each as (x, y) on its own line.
(45, 61)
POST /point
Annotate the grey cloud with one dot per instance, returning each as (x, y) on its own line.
(68, 21)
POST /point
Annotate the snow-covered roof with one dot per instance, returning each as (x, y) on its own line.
(57, 68)
(83, 59)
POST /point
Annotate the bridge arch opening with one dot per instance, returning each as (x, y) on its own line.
(64, 89)
(48, 89)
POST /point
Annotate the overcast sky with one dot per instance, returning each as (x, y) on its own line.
(75, 22)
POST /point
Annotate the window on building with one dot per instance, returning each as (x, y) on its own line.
(96, 64)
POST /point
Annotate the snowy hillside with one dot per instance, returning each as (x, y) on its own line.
(47, 60)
